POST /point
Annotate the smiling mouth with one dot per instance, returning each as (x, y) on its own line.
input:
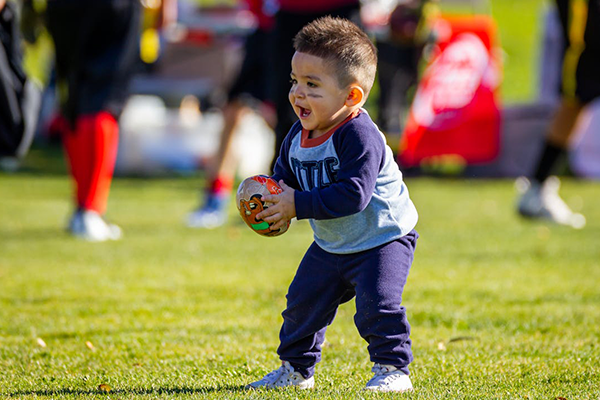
(303, 112)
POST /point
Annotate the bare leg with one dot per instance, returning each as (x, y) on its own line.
(225, 164)
(221, 173)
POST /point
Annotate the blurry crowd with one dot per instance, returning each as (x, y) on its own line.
(97, 50)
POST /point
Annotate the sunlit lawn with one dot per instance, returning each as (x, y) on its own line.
(500, 307)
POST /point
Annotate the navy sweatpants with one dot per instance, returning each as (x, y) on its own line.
(324, 280)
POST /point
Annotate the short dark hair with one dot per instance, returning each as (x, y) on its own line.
(344, 45)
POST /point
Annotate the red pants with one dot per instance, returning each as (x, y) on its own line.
(91, 147)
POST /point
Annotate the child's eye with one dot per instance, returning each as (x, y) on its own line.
(293, 81)
(310, 84)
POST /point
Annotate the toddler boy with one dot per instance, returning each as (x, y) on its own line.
(337, 171)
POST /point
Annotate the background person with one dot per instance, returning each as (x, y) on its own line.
(97, 47)
(277, 50)
(580, 86)
(399, 54)
(249, 90)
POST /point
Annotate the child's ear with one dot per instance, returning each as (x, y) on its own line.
(355, 96)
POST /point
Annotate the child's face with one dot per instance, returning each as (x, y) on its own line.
(316, 96)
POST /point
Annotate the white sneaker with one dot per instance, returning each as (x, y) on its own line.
(388, 378)
(211, 215)
(542, 201)
(206, 219)
(282, 377)
(89, 225)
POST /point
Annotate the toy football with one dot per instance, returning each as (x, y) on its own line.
(249, 203)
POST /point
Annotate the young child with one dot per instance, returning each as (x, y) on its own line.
(337, 171)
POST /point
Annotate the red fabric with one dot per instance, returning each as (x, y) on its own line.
(306, 141)
(456, 108)
(92, 151)
(265, 20)
(222, 185)
(57, 125)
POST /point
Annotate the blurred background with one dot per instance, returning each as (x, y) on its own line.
(172, 120)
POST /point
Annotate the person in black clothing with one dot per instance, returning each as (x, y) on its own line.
(580, 86)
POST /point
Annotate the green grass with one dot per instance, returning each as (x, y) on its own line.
(500, 308)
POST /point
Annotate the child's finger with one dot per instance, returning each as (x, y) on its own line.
(266, 213)
(274, 217)
(278, 225)
(271, 198)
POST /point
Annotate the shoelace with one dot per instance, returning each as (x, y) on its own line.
(380, 369)
(274, 375)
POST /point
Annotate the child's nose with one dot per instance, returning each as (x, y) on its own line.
(297, 91)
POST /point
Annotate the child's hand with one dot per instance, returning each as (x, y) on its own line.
(282, 210)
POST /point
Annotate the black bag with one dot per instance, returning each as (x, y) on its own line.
(19, 98)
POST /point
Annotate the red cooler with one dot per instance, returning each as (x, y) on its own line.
(455, 113)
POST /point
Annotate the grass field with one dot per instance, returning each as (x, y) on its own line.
(501, 308)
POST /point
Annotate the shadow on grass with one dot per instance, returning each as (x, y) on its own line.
(46, 159)
(49, 159)
(10, 234)
(127, 392)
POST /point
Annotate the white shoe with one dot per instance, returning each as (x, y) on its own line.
(206, 219)
(388, 378)
(89, 225)
(282, 377)
(211, 215)
(542, 201)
